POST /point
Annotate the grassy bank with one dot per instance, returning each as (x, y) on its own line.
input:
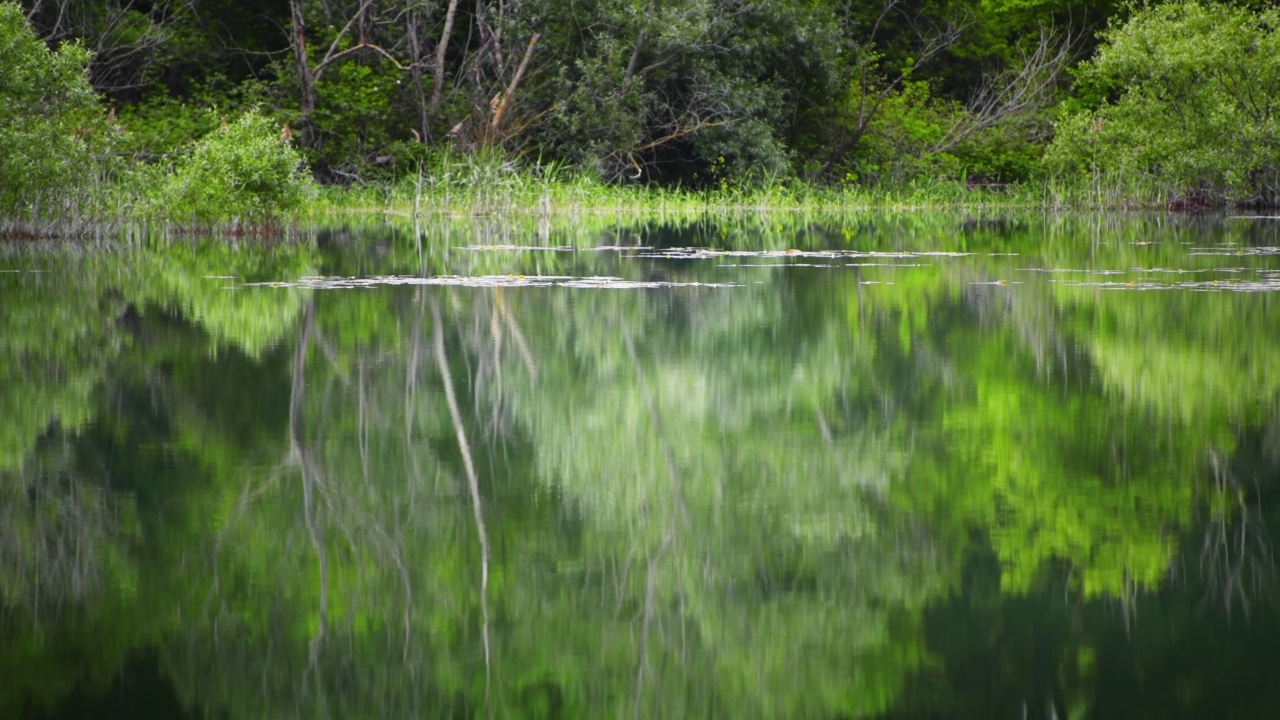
(224, 193)
(469, 187)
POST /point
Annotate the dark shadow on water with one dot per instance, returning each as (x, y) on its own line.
(140, 691)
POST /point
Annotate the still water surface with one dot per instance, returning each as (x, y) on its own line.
(760, 467)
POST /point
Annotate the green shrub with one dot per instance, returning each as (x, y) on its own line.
(243, 171)
(1186, 97)
(1007, 152)
(356, 124)
(162, 123)
(898, 145)
(54, 137)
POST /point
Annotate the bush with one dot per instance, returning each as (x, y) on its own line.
(243, 171)
(54, 137)
(898, 145)
(1186, 97)
(160, 123)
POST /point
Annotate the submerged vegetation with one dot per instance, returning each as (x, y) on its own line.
(198, 113)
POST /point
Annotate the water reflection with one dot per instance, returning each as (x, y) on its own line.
(389, 473)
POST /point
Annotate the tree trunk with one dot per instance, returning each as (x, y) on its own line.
(306, 78)
(437, 63)
(415, 70)
(639, 47)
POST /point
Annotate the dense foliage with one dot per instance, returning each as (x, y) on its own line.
(52, 130)
(1186, 95)
(705, 94)
(243, 170)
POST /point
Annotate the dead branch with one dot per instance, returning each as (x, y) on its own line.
(437, 62)
(874, 89)
(501, 109)
(1016, 92)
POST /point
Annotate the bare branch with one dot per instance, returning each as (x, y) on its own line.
(501, 109)
(1016, 92)
(376, 49)
(437, 63)
(933, 41)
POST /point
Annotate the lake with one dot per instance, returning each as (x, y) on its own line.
(750, 466)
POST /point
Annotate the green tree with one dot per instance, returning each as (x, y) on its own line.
(1185, 97)
(52, 129)
(664, 90)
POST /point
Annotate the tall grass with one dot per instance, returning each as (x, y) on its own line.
(487, 185)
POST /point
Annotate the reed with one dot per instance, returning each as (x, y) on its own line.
(487, 185)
